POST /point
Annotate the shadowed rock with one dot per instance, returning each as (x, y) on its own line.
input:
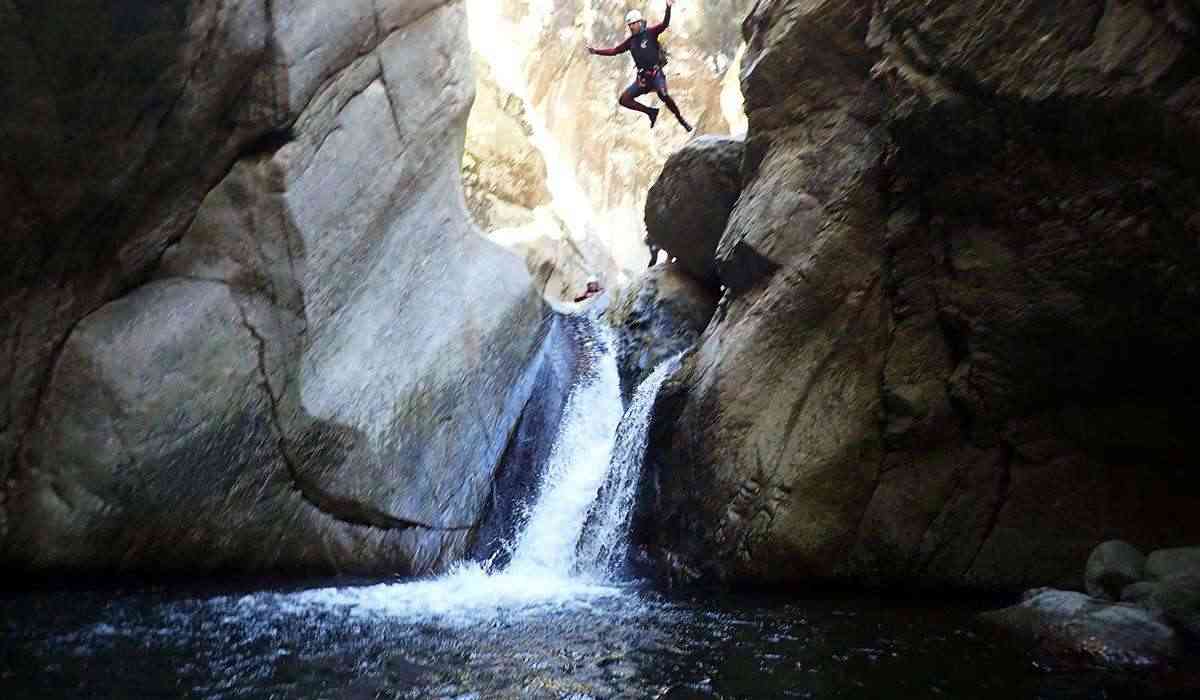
(1074, 625)
(659, 315)
(1178, 597)
(1178, 561)
(689, 204)
(1139, 593)
(962, 347)
(1111, 567)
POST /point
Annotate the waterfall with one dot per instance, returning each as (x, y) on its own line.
(572, 538)
(578, 465)
(606, 539)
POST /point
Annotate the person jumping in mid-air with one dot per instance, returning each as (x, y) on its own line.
(647, 55)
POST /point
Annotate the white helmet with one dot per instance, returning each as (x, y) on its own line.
(633, 16)
(592, 279)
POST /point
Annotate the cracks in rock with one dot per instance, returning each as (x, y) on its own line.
(340, 509)
(415, 20)
(199, 62)
(1100, 11)
(387, 91)
(761, 500)
(888, 289)
(818, 372)
(921, 560)
(1002, 492)
(22, 468)
(1145, 111)
(267, 144)
(381, 36)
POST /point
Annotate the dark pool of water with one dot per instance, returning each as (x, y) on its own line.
(166, 642)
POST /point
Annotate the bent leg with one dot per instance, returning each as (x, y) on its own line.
(628, 102)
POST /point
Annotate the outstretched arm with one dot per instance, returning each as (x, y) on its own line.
(621, 48)
(662, 27)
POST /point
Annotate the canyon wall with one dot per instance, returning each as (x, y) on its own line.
(958, 343)
(595, 159)
(247, 323)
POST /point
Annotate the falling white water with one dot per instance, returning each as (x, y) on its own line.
(579, 463)
(606, 540)
(590, 482)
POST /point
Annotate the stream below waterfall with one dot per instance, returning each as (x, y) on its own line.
(624, 642)
(557, 616)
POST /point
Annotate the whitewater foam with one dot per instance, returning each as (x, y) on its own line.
(606, 539)
(590, 481)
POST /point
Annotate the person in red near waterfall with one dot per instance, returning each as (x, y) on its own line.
(643, 45)
(593, 289)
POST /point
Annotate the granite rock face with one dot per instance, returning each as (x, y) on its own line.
(658, 316)
(959, 344)
(251, 326)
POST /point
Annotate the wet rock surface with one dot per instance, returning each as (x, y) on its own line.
(529, 448)
(1075, 624)
(960, 347)
(1156, 622)
(659, 315)
(262, 333)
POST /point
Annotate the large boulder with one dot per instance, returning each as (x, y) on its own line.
(1177, 561)
(1139, 593)
(658, 316)
(689, 204)
(284, 345)
(1073, 625)
(1111, 567)
(1178, 597)
(960, 350)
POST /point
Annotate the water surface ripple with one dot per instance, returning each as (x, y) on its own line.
(387, 640)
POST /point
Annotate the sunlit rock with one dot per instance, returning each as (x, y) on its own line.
(601, 160)
(315, 367)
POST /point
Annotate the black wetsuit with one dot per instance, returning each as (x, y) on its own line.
(647, 56)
